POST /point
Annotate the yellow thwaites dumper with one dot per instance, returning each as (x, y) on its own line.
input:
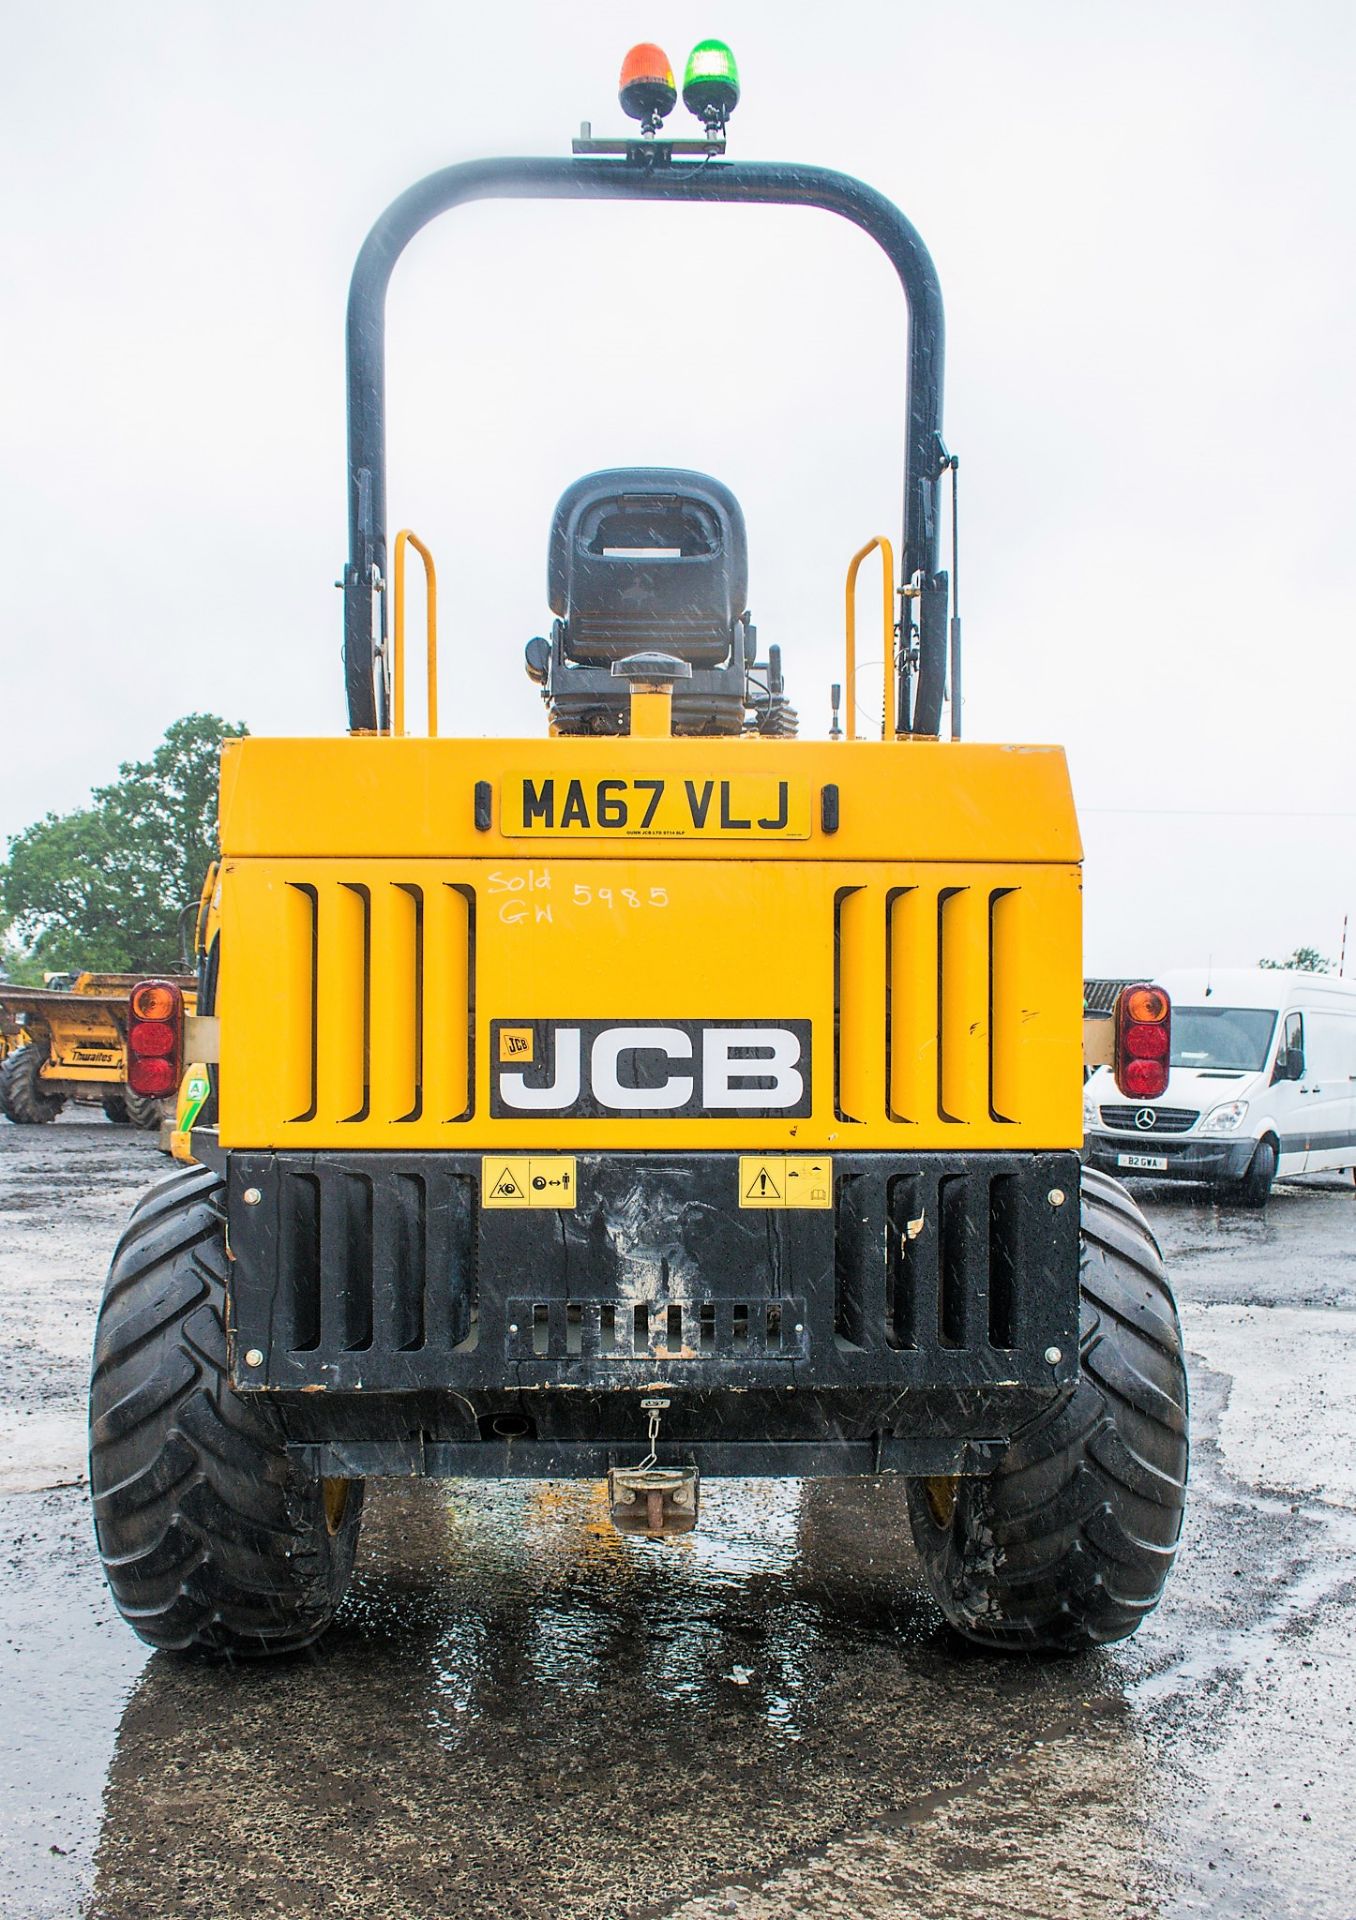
(665, 1097)
(60, 1044)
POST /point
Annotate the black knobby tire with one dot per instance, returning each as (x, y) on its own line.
(1068, 1544)
(1254, 1189)
(115, 1109)
(24, 1098)
(212, 1538)
(143, 1110)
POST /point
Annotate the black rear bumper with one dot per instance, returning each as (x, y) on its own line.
(405, 1327)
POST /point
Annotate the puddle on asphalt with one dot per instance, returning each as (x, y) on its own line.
(67, 1668)
(1299, 1251)
(517, 1697)
(522, 1712)
(671, 1623)
(539, 1600)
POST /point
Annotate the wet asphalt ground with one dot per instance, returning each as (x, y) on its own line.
(519, 1713)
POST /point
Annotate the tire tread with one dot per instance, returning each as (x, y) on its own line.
(1067, 1545)
(212, 1539)
(22, 1098)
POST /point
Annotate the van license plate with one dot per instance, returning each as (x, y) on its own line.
(1143, 1162)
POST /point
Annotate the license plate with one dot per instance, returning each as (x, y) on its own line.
(1143, 1162)
(738, 807)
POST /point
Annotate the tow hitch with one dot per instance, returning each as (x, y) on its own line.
(650, 1499)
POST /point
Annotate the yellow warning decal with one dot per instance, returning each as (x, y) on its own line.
(785, 1180)
(519, 1182)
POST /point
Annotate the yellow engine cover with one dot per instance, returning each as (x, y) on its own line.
(669, 944)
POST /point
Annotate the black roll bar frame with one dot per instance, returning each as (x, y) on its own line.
(645, 172)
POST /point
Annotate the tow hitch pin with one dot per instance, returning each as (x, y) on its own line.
(651, 1499)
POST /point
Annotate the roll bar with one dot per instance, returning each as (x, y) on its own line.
(643, 174)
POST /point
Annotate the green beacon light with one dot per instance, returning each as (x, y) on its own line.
(711, 83)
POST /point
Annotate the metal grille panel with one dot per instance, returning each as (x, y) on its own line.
(1164, 1120)
(383, 1273)
(971, 1261)
(656, 1330)
(352, 1265)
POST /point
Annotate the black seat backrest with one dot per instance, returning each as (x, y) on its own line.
(648, 558)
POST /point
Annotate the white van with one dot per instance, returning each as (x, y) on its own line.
(1263, 1083)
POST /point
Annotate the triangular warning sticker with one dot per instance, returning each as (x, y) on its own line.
(763, 1187)
(506, 1187)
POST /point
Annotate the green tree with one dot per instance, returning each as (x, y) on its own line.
(103, 887)
(1302, 960)
(18, 966)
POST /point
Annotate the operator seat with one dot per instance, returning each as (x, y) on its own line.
(647, 560)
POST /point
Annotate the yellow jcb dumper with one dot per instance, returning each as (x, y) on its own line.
(661, 1098)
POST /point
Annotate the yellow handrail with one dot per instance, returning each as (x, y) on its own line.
(403, 539)
(887, 589)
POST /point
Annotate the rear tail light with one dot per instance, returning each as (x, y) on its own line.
(155, 1038)
(155, 1000)
(1143, 1042)
(152, 1038)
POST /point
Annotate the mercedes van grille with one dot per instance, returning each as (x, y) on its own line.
(1161, 1119)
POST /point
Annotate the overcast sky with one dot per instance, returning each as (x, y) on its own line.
(1141, 215)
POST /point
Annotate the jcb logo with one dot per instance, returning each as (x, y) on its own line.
(650, 1069)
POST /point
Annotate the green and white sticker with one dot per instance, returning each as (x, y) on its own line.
(193, 1097)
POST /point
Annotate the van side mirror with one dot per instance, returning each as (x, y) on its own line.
(1289, 1065)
